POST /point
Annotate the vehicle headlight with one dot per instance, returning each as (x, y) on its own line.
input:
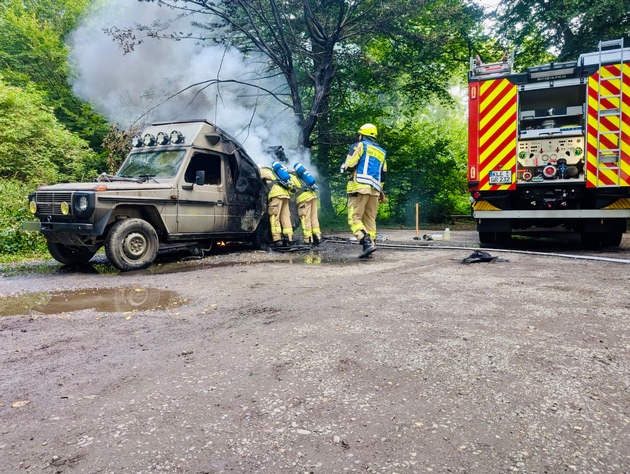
(148, 139)
(83, 204)
(136, 141)
(65, 209)
(32, 206)
(176, 137)
(162, 138)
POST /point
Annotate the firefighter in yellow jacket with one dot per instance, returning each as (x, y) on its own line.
(368, 171)
(306, 201)
(278, 202)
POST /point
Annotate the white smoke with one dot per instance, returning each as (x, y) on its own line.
(133, 88)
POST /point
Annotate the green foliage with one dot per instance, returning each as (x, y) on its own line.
(34, 147)
(427, 165)
(14, 211)
(567, 28)
(33, 53)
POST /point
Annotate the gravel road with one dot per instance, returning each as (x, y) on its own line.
(317, 362)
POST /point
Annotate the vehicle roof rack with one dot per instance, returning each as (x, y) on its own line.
(609, 52)
(500, 68)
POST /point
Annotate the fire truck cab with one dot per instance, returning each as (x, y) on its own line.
(550, 147)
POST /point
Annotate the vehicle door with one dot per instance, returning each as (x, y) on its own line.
(201, 207)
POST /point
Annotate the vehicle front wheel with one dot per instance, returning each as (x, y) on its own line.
(70, 254)
(131, 244)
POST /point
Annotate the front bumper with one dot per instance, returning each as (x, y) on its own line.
(75, 227)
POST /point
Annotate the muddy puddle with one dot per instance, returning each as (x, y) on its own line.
(190, 265)
(106, 300)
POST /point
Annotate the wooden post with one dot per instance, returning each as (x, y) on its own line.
(417, 220)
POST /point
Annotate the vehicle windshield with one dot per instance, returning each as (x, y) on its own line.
(154, 164)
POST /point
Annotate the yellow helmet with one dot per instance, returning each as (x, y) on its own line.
(369, 130)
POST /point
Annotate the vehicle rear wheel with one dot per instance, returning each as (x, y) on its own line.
(590, 239)
(262, 234)
(70, 254)
(503, 237)
(612, 240)
(486, 237)
(131, 244)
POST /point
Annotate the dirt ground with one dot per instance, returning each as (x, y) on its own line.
(317, 362)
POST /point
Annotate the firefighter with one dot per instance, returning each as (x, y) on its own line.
(306, 201)
(368, 170)
(278, 202)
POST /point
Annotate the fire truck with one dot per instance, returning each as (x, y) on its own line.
(550, 147)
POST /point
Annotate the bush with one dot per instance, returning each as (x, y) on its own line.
(14, 211)
(34, 146)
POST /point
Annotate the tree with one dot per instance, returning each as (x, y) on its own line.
(33, 52)
(567, 27)
(305, 40)
(34, 147)
(395, 75)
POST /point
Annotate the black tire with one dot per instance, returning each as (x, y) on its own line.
(612, 240)
(262, 234)
(486, 237)
(70, 254)
(503, 237)
(131, 244)
(590, 240)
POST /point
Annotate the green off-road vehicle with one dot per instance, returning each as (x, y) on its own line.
(183, 182)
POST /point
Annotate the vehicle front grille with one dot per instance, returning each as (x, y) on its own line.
(49, 203)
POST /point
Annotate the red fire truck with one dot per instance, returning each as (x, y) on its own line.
(550, 147)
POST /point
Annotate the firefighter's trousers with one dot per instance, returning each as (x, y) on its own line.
(307, 211)
(362, 211)
(280, 218)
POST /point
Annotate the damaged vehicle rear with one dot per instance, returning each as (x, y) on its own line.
(183, 182)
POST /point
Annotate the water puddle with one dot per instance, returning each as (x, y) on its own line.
(294, 259)
(113, 300)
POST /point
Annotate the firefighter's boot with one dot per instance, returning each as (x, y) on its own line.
(368, 247)
(277, 244)
(316, 241)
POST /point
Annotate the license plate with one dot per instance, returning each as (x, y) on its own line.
(501, 177)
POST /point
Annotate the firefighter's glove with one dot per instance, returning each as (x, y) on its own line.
(382, 198)
(342, 169)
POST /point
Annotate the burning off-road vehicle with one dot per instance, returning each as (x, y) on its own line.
(183, 182)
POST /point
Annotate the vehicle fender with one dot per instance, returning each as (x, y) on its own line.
(147, 213)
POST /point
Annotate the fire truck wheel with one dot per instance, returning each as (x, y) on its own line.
(503, 237)
(70, 254)
(590, 239)
(262, 234)
(131, 244)
(486, 237)
(612, 240)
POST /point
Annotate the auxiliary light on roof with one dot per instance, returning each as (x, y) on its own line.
(162, 138)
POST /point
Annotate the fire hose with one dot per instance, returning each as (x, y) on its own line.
(427, 246)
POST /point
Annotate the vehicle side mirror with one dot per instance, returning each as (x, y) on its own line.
(200, 177)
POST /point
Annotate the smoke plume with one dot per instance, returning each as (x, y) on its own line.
(142, 86)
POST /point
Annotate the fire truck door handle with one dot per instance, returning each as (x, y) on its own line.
(219, 203)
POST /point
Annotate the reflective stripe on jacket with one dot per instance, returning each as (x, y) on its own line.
(275, 189)
(303, 193)
(367, 158)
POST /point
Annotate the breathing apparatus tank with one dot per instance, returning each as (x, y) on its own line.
(305, 175)
(282, 172)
